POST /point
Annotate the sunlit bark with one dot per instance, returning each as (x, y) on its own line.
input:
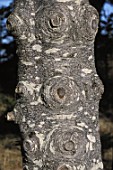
(58, 86)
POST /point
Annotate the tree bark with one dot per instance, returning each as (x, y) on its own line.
(58, 88)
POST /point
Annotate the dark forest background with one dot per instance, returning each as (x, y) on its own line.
(10, 156)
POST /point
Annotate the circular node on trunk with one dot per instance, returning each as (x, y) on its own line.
(60, 91)
(67, 142)
(31, 145)
(53, 22)
(13, 25)
(28, 145)
(88, 22)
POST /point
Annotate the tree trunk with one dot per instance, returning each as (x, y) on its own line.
(58, 88)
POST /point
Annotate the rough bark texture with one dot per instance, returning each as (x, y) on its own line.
(58, 85)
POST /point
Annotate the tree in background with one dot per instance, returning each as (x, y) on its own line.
(8, 58)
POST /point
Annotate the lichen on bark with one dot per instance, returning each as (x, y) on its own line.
(58, 88)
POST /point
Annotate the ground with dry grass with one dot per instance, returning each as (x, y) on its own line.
(10, 153)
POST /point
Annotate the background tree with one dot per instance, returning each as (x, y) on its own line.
(8, 57)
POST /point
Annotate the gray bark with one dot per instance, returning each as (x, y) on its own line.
(58, 86)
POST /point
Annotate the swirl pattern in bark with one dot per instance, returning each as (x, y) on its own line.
(60, 92)
(53, 22)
